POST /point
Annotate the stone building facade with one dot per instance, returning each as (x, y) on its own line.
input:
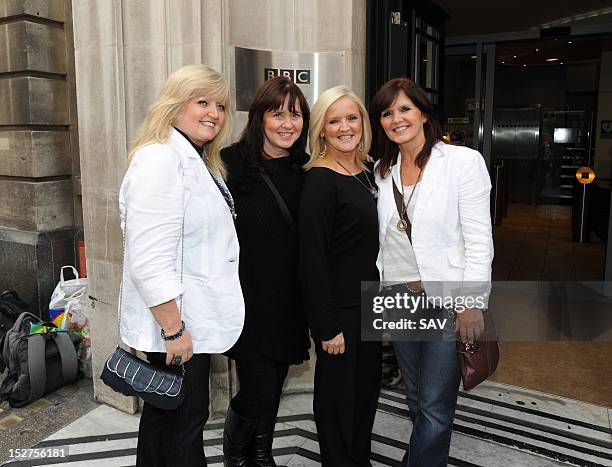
(124, 50)
(40, 204)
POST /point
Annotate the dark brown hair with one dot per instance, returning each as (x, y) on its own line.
(271, 95)
(387, 150)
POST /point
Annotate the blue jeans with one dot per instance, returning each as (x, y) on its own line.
(431, 376)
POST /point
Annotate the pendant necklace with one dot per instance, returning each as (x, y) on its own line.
(402, 224)
(371, 189)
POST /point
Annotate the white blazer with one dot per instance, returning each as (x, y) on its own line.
(163, 183)
(451, 227)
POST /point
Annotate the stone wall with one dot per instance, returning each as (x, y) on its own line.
(124, 50)
(39, 183)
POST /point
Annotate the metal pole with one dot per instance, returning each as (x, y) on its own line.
(477, 86)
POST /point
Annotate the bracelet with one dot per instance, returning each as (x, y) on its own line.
(173, 336)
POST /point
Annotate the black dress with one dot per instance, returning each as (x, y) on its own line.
(338, 250)
(275, 332)
(275, 322)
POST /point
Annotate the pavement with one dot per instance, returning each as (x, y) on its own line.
(24, 427)
(496, 425)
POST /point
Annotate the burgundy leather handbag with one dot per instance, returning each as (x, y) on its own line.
(478, 361)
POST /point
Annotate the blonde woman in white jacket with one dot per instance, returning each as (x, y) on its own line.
(181, 298)
(445, 244)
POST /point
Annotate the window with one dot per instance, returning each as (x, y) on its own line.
(427, 51)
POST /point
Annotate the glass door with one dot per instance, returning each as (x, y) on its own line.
(468, 96)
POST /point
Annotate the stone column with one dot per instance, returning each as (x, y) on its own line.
(39, 203)
(124, 50)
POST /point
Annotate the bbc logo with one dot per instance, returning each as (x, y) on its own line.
(297, 76)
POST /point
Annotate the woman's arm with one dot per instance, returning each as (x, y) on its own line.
(474, 192)
(168, 316)
(474, 213)
(154, 211)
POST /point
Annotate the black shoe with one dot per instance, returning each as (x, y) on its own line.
(237, 436)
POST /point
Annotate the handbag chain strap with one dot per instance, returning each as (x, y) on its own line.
(123, 272)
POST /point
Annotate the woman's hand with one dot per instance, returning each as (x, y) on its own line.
(334, 346)
(181, 347)
(368, 159)
(469, 324)
(168, 317)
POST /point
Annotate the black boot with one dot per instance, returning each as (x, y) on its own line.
(237, 435)
(261, 447)
(261, 450)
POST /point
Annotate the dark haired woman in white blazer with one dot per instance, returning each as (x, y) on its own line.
(444, 192)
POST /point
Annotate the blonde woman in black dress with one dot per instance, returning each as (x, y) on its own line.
(338, 249)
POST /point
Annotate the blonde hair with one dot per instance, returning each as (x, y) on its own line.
(185, 84)
(317, 120)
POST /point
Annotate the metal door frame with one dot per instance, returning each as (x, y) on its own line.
(484, 87)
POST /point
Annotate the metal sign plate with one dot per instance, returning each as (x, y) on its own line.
(313, 72)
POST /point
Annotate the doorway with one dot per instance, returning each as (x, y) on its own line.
(530, 108)
(533, 121)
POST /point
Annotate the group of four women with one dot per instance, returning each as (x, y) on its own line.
(243, 250)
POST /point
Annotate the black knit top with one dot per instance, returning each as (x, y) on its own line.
(338, 246)
(275, 322)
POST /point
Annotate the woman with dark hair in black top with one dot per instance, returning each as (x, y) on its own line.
(265, 178)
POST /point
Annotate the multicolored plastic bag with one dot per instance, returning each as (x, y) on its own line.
(65, 311)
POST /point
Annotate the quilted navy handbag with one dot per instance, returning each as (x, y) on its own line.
(126, 373)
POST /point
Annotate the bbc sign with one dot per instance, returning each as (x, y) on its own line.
(297, 76)
(313, 72)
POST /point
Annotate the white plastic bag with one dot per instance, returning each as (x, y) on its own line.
(67, 289)
(65, 311)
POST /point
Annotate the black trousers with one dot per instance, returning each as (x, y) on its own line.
(261, 384)
(346, 389)
(174, 438)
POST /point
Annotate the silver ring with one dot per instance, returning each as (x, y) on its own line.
(177, 360)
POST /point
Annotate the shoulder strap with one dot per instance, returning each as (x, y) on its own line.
(68, 357)
(37, 369)
(279, 199)
(399, 200)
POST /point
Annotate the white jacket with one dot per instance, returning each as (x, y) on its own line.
(163, 183)
(451, 227)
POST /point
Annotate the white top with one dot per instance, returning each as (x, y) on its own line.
(398, 258)
(451, 225)
(163, 183)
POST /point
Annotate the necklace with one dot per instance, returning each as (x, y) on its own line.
(225, 193)
(402, 224)
(371, 189)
